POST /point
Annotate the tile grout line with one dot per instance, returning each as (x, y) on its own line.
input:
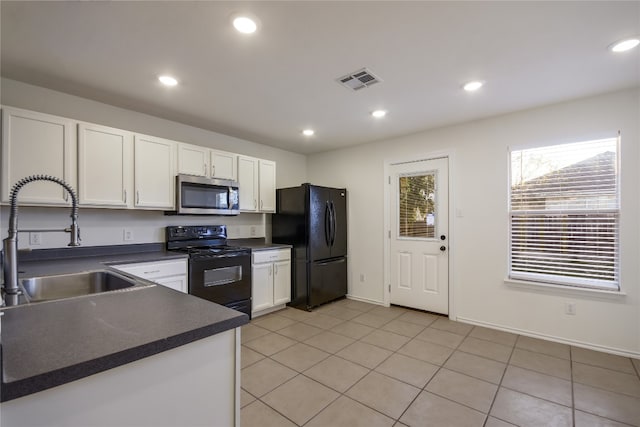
(434, 375)
(573, 399)
(504, 373)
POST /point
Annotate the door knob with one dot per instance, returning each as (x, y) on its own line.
(443, 248)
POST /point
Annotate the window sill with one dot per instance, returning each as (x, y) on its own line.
(560, 289)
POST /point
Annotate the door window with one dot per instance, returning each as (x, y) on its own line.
(417, 206)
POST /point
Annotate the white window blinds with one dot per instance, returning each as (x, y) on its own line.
(564, 209)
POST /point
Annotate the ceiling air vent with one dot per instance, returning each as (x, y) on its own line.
(359, 79)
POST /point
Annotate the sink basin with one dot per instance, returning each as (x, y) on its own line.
(49, 288)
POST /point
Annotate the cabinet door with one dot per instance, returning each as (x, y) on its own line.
(223, 165)
(248, 183)
(267, 178)
(261, 286)
(37, 144)
(193, 160)
(179, 283)
(154, 172)
(105, 166)
(281, 282)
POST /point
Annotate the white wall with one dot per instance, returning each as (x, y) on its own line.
(105, 226)
(479, 239)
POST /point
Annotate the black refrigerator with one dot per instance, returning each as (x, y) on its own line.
(313, 220)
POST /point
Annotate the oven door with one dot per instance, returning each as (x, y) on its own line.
(224, 279)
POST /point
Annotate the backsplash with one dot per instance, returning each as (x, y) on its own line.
(111, 226)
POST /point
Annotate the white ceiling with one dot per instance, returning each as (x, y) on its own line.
(268, 86)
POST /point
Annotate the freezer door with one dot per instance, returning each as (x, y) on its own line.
(319, 223)
(339, 222)
(327, 281)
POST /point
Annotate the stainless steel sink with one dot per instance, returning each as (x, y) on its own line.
(48, 288)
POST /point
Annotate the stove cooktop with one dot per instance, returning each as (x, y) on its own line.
(211, 251)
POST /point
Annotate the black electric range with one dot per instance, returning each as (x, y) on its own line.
(218, 272)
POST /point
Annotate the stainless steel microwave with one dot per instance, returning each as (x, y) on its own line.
(197, 195)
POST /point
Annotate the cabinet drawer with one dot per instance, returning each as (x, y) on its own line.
(271, 256)
(154, 269)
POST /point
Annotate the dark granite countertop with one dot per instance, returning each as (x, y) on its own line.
(73, 260)
(48, 344)
(257, 244)
(52, 343)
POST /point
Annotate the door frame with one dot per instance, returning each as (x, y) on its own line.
(387, 222)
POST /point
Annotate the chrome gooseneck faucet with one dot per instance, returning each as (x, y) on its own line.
(11, 289)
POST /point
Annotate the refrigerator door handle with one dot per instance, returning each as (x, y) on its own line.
(333, 223)
(327, 224)
(336, 261)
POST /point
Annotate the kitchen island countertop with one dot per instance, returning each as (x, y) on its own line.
(52, 343)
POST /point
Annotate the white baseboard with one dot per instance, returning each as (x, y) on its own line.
(576, 343)
(370, 301)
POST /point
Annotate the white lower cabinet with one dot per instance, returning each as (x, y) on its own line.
(172, 274)
(271, 280)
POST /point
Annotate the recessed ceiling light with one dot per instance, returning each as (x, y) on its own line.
(168, 80)
(308, 132)
(378, 114)
(624, 45)
(245, 25)
(472, 86)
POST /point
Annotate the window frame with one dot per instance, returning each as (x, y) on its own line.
(569, 283)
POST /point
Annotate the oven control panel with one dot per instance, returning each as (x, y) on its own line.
(194, 232)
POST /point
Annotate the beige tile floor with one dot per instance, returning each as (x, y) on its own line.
(355, 364)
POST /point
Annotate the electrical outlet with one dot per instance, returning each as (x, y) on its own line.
(35, 239)
(127, 235)
(570, 308)
(253, 231)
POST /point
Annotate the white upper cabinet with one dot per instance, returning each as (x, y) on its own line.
(155, 171)
(202, 161)
(248, 183)
(105, 166)
(257, 184)
(193, 159)
(223, 165)
(267, 179)
(37, 144)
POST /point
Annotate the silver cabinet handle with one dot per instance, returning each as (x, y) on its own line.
(204, 169)
(213, 170)
(275, 266)
(125, 195)
(270, 270)
(261, 204)
(137, 196)
(66, 196)
(255, 204)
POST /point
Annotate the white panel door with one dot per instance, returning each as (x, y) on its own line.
(223, 165)
(419, 214)
(193, 160)
(154, 171)
(37, 144)
(262, 286)
(281, 282)
(248, 183)
(105, 166)
(267, 178)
